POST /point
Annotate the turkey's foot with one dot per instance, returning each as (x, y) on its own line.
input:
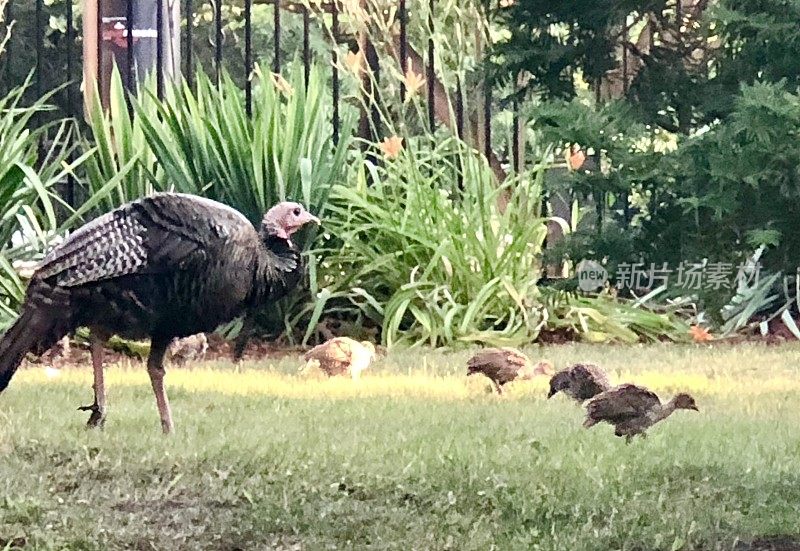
(97, 418)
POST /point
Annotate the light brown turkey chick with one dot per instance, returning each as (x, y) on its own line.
(341, 356)
(632, 409)
(503, 365)
(580, 381)
(188, 349)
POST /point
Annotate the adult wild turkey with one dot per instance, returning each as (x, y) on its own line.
(503, 365)
(580, 381)
(164, 266)
(632, 409)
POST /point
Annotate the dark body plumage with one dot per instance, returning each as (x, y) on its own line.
(580, 381)
(165, 266)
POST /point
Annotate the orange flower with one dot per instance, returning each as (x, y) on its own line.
(391, 146)
(282, 85)
(576, 158)
(412, 80)
(352, 60)
(700, 334)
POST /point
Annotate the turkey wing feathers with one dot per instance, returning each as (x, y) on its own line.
(160, 233)
(621, 404)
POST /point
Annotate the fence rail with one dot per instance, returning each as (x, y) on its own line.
(122, 30)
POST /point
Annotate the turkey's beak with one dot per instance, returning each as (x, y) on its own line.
(551, 393)
(307, 217)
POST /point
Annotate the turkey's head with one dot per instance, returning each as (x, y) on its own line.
(286, 218)
(685, 401)
(560, 381)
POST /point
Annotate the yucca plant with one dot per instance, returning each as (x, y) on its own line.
(431, 262)
(205, 142)
(28, 176)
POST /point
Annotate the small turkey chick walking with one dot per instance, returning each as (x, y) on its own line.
(580, 381)
(341, 356)
(503, 365)
(188, 349)
(632, 409)
(165, 266)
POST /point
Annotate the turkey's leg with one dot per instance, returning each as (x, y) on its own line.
(98, 408)
(155, 368)
(245, 333)
(498, 387)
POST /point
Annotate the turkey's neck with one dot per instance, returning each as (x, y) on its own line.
(665, 411)
(276, 269)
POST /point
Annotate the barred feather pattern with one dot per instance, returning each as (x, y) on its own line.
(110, 246)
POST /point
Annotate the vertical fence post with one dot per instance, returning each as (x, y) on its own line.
(39, 51)
(189, 29)
(71, 111)
(70, 38)
(403, 16)
(487, 118)
(306, 46)
(460, 126)
(9, 16)
(248, 57)
(431, 74)
(160, 49)
(515, 136)
(335, 70)
(131, 81)
(624, 196)
(276, 62)
(218, 40)
(99, 22)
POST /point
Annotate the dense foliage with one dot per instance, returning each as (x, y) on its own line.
(29, 202)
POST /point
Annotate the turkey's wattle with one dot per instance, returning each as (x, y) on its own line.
(165, 266)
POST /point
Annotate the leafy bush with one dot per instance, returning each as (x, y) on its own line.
(28, 204)
(431, 263)
(204, 143)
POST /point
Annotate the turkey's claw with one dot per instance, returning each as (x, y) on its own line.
(98, 416)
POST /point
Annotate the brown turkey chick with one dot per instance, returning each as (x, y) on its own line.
(188, 349)
(580, 381)
(632, 409)
(503, 365)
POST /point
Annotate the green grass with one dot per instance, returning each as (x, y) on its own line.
(414, 456)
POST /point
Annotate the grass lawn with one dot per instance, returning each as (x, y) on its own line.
(414, 456)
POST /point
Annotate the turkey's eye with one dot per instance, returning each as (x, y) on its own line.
(296, 212)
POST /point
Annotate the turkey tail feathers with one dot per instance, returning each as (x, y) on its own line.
(32, 332)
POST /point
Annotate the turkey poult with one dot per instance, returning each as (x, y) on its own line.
(632, 409)
(503, 365)
(188, 349)
(164, 266)
(341, 356)
(580, 382)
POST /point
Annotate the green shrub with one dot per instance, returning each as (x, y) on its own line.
(28, 176)
(203, 142)
(431, 263)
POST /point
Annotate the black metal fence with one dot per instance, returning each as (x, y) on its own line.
(131, 32)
